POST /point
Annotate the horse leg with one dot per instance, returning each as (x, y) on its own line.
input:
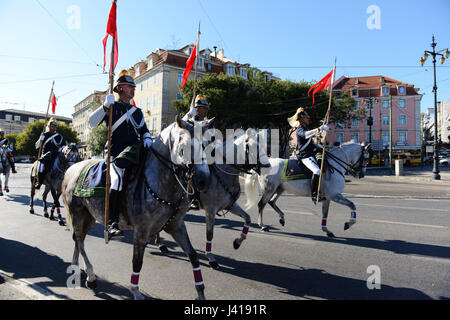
(58, 210)
(261, 204)
(210, 217)
(1, 192)
(44, 200)
(33, 190)
(339, 198)
(325, 208)
(181, 236)
(6, 180)
(237, 210)
(141, 237)
(275, 207)
(82, 222)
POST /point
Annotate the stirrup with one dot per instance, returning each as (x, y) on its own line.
(114, 233)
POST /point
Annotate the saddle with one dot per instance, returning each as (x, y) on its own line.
(293, 169)
(92, 180)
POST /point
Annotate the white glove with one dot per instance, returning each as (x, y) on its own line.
(324, 128)
(109, 100)
(148, 143)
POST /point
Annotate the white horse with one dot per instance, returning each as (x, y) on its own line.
(5, 169)
(349, 157)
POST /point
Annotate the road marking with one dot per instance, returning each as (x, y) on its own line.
(407, 224)
(409, 208)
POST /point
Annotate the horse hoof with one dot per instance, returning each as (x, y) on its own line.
(46, 215)
(91, 284)
(330, 234)
(31, 211)
(52, 218)
(139, 296)
(236, 244)
(61, 223)
(282, 222)
(346, 226)
(163, 249)
(265, 229)
(214, 265)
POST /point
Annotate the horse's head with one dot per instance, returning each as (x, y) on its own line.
(251, 151)
(186, 152)
(70, 154)
(358, 155)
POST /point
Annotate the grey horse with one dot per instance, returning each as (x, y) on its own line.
(68, 156)
(5, 169)
(225, 190)
(349, 157)
(155, 200)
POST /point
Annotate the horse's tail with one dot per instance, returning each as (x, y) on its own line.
(251, 190)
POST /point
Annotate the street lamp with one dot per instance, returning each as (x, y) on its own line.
(369, 102)
(435, 53)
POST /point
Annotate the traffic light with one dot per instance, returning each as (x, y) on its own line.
(370, 121)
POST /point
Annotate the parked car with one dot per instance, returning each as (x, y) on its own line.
(27, 160)
(444, 161)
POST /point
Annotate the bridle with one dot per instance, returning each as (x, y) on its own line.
(349, 167)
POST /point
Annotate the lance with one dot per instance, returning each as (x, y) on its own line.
(43, 131)
(196, 65)
(326, 119)
(108, 157)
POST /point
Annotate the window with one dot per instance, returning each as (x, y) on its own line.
(402, 137)
(385, 104)
(8, 117)
(149, 82)
(402, 120)
(155, 79)
(401, 90)
(200, 62)
(190, 50)
(255, 73)
(355, 123)
(179, 77)
(148, 104)
(150, 63)
(340, 137)
(385, 136)
(385, 91)
(354, 92)
(244, 73)
(369, 136)
(209, 66)
(385, 120)
(230, 69)
(179, 96)
(137, 71)
(142, 86)
(17, 118)
(354, 137)
(30, 120)
(401, 103)
(207, 56)
(155, 100)
(154, 126)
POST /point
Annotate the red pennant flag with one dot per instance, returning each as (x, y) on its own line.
(322, 84)
(111, 30)
(189, 63)
(53, 102)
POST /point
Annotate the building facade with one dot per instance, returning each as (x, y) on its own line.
(80, 121)
(15, 121)
(379, 95)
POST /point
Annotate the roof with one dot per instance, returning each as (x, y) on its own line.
(29, 113)
(373, 82)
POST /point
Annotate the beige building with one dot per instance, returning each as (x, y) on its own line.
(15, 121)
(80, 122)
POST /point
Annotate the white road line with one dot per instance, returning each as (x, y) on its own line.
(409, 208)
(407, 224)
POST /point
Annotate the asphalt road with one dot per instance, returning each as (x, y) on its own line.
(401, 242)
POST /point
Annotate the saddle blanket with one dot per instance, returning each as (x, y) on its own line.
(92, 180)
(295, 170)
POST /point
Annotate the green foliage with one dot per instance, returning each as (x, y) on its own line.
(25, 141)
(97, 139)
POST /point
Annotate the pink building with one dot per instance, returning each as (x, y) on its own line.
(382, 91)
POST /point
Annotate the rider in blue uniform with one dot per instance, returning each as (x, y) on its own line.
(305, 146)
(4, 142)
(129, 134)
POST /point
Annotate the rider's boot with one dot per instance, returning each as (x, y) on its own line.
(195, 204)
(13, 165)
(113, 222)
(314, 188)
(40, 180)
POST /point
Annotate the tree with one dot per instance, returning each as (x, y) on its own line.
(97, 139)
(26, 140)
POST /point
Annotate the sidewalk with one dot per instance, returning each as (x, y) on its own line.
(424, 173)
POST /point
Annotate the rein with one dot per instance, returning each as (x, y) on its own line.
(345, 165)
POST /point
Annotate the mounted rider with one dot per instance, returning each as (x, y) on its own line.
(52, 143)
(198, 112)
(305, 146)
(129, 133)
(4, 142)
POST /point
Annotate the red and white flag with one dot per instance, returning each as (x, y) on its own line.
(53, 102)
(322, 84)
(111, 30)
(190, 63)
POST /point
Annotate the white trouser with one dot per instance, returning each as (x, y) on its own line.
(116, 177)
(311, 164)
(40, 167)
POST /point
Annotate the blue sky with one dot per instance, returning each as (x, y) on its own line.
(43, 40)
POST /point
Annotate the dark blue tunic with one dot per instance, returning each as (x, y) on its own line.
(305, 146)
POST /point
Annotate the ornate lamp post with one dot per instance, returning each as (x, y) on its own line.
(435, 53)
